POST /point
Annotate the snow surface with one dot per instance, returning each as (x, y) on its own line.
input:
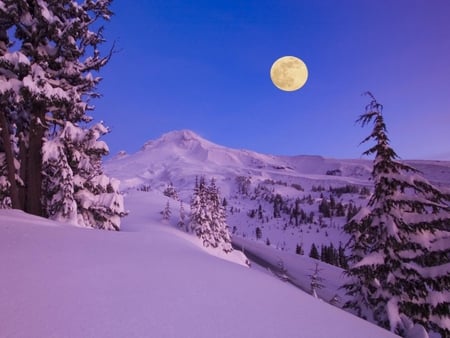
(149, 280)
(154, 280)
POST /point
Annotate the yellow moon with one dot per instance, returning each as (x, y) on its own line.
(289, 73)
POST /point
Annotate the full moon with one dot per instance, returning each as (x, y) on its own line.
(289, 73)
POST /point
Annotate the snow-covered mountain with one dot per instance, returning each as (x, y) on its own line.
(251, 181)
(184, 154)
(178, 156)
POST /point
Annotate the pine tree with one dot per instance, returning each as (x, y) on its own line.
(182, 220)
(76, 190)
(171, 192)
(313, 253)
(199, 220)
(48, 53)
(219, 225)
(316, 281)
(258, 233)
(166, 212)
(400, 243)
(208, 216)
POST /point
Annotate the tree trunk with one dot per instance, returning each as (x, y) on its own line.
(9, 157)
(33, 178)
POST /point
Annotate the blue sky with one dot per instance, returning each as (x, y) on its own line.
(204, 65)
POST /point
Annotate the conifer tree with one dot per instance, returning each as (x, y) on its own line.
(208, 217)
(166, 212)
(75, 188)
(171, 192)
(314, 253)
(400, 243)
(316, 281)
(198, 222)
(182, 220)
(49, 53)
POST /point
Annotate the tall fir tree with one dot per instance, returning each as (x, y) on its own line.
(400, 243)
(218, 216)
(166, 213)
(76, 190)
(208, 216)
(49, 53)
(182, 219)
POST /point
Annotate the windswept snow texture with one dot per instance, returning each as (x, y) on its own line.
(152, 281)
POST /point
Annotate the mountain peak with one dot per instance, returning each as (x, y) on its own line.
(183, 134)
(184, 138)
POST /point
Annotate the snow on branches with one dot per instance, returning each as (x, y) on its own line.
(400, 244)
(76, 189)
(50, 160)
(208, 217)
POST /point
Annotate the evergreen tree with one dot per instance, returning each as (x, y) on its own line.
(316, 281)
(258, 233)
(171, 192)
(342, 259)
(313, 253)
(198, 220)
(277, 205)
(75, 188)
(208, 216)
(218, 220)
(166, 212)
(48, 53)
(182, 221)
(400, 243)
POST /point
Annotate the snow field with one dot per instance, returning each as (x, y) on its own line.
(62, 281)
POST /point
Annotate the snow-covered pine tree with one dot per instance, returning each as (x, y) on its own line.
(76, 188)
(47, 54)
(5, 186)
(182, 220)
(400, 243)
(171, 192)
(218, 223)
(58, 184)
(198, 222)
(208, 218)
(166, 212)
(316, 281)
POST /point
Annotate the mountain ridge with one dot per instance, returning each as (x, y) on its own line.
(185, 153)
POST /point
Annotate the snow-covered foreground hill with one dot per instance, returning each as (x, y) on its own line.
(149, 280)
(154, 280)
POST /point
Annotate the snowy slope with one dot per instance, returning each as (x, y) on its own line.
(150, 280)
(154, 280)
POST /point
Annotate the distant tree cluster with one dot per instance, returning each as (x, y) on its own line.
(329, 254)
(171, 192)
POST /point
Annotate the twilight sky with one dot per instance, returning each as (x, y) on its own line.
(204, 65)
